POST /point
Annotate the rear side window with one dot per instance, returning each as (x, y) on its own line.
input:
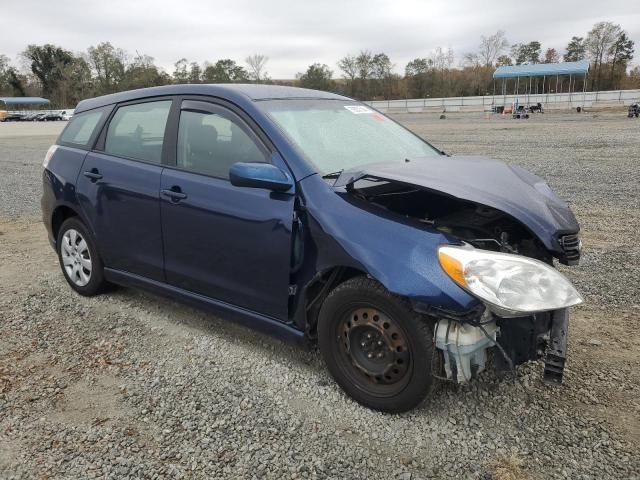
(81, 128)
(137, 131)
(210, 142)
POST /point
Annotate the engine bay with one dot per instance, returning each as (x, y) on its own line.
(479, 225)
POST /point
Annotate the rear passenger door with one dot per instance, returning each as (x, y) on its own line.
(119, 186)
(229, 243)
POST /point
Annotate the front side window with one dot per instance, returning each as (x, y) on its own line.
(137, 131)
(81, 127)
(342, 135)
(210, 142)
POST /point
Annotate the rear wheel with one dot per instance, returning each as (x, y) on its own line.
(81, 264)
(376, 348)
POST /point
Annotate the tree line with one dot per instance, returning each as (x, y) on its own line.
(66, 77)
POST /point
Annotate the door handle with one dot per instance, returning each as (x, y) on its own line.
(93, 175)
(174, 195)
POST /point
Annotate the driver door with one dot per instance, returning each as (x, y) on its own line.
(232, 244)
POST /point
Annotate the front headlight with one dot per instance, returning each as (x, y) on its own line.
(512, 283)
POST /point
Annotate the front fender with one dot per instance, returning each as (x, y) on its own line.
(400, 254)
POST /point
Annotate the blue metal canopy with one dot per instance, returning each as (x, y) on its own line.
(24, 101)
(542, 69)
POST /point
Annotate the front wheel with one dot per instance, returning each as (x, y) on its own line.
(375, 347)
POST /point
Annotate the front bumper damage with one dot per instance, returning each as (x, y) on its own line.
(464, 345)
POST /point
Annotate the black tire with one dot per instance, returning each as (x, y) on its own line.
(407, 346)
(96, 283)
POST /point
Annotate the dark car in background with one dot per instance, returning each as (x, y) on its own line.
(317, 219)
(13, 117)
(49, 117)
(34, 117)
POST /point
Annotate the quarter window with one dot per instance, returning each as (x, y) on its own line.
(137, 131)
(210, 142)
(81, 127)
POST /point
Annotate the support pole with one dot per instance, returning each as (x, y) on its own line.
(570, 99)
(493, 99)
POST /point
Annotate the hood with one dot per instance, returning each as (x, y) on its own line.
(509, 188)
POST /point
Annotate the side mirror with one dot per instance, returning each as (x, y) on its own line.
(259, 175)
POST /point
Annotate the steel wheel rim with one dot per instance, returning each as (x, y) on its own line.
(377, 351)
(76, 258)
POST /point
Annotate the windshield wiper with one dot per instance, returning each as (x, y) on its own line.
(333, 174)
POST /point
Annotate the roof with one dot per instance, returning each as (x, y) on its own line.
(24, 101)
(542, 69)
(253, 92)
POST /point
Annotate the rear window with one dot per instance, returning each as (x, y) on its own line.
(81, 127)
(137, 131)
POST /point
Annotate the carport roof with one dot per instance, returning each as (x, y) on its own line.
(542, 69)
(24, 101)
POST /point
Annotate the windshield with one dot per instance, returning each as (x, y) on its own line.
(341, 135)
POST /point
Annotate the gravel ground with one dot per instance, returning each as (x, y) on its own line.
(22, 150)
(129, 385)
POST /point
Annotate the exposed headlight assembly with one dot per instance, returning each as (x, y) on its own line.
(513, 284)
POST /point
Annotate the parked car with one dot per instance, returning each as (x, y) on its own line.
(13, 117)
(32, 117)
(49, 117)
(315, 218)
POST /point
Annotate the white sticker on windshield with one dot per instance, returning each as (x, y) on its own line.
(358, 109)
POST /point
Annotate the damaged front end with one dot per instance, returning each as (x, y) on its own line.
(506, 227)
(465, 345)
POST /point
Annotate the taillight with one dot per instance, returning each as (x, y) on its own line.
(47, 157)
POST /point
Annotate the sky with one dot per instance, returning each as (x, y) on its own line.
(294, 34)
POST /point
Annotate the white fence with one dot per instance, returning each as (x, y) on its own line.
(478, 104)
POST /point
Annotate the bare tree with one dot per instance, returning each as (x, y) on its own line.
(256, 63)
(491, 47)
(551, 56)
(349, 66)
(598, 44)
(442, 59)
(470, 59)
(364, 62)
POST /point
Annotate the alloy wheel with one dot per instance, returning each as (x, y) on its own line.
(76, 257)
